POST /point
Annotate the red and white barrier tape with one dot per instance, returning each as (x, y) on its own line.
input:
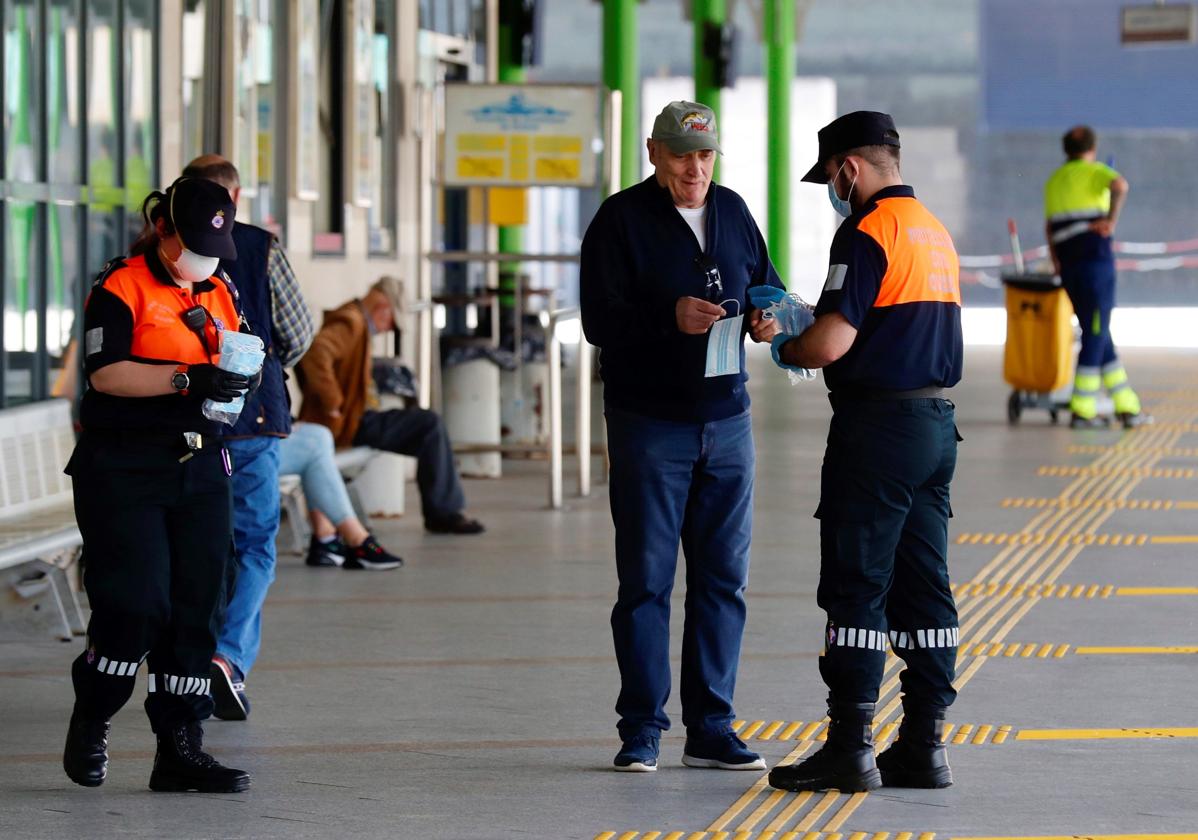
(972, 267)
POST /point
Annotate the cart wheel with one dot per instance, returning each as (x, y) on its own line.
(1054, 416)
(1014, 407)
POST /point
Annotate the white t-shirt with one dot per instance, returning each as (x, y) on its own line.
(697, 219)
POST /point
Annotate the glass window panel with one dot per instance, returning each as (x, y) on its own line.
(62, 92)
(264, 208)
(140, 109)
(103, 102)
(330, 205)
(21, 304)
(194, 13)
(381, 215)
(64, 280)
(22, 104)
(463, 18)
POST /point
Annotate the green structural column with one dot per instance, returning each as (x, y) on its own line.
(779, 33)
(511, 237)
(704, 12)
(622, 72)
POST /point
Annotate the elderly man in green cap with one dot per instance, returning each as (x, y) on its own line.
(666, 270)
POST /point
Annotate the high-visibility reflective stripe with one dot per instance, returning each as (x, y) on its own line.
(857, 637)
(170, 684)
(1069, 231)
(937, 637)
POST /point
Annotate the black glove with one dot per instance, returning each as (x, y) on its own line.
(218, 385)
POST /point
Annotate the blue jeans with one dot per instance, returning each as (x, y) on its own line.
(308, 453)
(671, 482)
(255, 526)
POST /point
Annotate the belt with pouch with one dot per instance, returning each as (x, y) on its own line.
(192, 442)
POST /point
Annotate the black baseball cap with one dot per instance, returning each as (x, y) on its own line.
(202, 212)
(852, 131)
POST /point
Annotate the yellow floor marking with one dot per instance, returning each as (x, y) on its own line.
(1130, 650)
(1105, 734)
(818, 811)
(763, 809)
(903, 835)
(673, 835)
(963, 734)
(629, 835)
(749, 795)
(606, 835)
(1156, 590)
(846, 811)
(982, 734)
(928, 835)
(1001, 736)
(1092, 837)
(1061, 651)
(787, 814)
(696, 835)
(810, 729)
(770, 730)
(1177, 539)
(652, 835)
(752, 730)
(881, 835)
(737, 724)
(789, 731)
(1044, 651)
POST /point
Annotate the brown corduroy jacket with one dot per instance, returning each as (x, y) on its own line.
(334, 375)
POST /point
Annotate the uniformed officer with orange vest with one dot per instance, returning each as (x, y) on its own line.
(887, 333)
(151, 485)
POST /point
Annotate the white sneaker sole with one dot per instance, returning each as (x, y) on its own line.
(636, 767)
(714, 764)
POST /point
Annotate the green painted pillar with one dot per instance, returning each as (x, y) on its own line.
(622, 72)
(511, 237)
(779, 33)
(704, 12)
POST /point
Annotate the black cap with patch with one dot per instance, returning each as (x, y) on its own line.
(202, 212)
(852, 131)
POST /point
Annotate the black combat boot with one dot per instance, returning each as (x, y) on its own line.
(846, 761)
(182, 765)
(86, 755)
(918, 758)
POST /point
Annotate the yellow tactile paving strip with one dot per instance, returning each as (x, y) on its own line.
(1023, 572)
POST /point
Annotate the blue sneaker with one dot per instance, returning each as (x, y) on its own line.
(638, 755)
(724, 752)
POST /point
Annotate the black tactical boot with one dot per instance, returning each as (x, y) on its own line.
(918, 758)
(846, 761)
(86, 755)
(182, 765)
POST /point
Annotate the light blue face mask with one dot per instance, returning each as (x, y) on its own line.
(841, 205)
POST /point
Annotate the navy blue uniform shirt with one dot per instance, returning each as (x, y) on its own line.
(639, 257)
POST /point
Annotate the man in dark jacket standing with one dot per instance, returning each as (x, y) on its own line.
(277, 312)
(666, 267)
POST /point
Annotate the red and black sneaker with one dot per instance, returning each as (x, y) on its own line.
(370, 556)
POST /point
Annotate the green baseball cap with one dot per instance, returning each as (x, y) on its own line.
(686, 127)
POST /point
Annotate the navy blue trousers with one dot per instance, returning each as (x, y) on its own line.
(884, 511)
(690, 483)
(1091, 289)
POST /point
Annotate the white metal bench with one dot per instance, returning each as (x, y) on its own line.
(37, 517)
(350, 463)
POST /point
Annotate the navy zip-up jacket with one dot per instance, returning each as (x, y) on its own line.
(639, 257)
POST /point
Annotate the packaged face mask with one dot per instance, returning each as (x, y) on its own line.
(723, 344)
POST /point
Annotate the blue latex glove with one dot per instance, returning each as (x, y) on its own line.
(776, 351)
(761, 297)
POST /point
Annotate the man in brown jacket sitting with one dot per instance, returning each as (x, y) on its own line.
(338, 392)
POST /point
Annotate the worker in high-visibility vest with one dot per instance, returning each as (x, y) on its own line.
(1082, 200)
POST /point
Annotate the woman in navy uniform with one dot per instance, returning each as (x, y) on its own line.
(152, 488)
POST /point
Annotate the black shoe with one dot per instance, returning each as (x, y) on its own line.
(331, 553)
(371, 556)
(1130, 421)
(846, 761)
(228, 690)
(182, 765)
(918, 757)
(1079, 422)
(86, 755)
(457, 523)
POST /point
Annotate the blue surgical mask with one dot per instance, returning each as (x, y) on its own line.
(841, 205)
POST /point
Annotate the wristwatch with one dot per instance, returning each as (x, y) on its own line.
(180, 380)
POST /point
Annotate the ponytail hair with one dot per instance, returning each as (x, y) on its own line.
(153, 209)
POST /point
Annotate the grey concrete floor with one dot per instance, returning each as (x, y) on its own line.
(469, 695)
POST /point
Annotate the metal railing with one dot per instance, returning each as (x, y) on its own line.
(582, 407)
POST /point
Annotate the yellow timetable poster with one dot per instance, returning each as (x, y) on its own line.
(520, 135)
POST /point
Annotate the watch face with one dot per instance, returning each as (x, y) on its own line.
(180, 381)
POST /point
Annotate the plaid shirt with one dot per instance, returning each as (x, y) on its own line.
(293, 326)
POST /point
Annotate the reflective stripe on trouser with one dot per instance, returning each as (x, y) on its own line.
(1086, 385)
(157, 540)
(884, 510)
(1114, 379)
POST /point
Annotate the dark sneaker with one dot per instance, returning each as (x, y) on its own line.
(182, 765)
(721, 752)
(638, 755)
(1076, 421)
(371, 556)
(331, 553)
(86, 755)
(457, 523)
(228, 690)
(1130, 421)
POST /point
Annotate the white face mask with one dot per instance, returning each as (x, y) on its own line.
(194, 268)
(841, 205)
